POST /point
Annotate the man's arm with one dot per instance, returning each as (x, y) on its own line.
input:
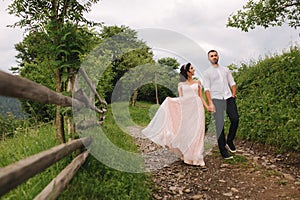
(211, 106)
(231, 83)
(233, 90)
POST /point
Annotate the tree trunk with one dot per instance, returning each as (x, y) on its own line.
(156, 91)
(71, 88)
(60, 134)
(134, 97)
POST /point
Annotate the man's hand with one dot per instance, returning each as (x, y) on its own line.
(211, 108)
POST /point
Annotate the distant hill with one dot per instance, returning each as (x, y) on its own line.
(11, 105)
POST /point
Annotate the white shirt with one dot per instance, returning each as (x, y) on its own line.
(218, 80)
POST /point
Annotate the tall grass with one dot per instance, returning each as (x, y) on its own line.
(24, 143)
(97, 181)
(93, 180)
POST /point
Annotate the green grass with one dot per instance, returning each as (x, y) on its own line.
(98, 181)
(126, 115)
(25, 143)
(94, 180)
(143, 112)
(237, 159)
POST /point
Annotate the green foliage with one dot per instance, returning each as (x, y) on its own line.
(27, 142)
(143, 78)
(266, 13)
(39, 58)
(268, 101)
(164, 75)
(94, 180)
(35, 14)
(34, 65)
(50, 54)
(119, 51)
(97, 181)
(8, 124)
(172, 62)
(143, 112)
(237, 159)
(147, 93)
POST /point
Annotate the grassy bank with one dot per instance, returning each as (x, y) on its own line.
(94, 180)
(268, 101)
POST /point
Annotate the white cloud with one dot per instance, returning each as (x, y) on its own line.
(8, 38)
(202, 21)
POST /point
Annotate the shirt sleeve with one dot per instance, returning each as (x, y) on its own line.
(230, 78)
(206, 81)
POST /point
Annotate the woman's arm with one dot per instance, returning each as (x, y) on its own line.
(179, 90)
(201, 96)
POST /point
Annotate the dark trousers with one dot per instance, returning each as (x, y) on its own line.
(230, 107)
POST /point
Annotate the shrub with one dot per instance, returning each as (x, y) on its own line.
(268, 100)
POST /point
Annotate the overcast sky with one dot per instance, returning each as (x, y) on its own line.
(200, 22)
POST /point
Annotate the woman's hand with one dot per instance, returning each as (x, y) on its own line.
(211, 108)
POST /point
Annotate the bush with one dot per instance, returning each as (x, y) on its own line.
(8, 124)
(268, 101)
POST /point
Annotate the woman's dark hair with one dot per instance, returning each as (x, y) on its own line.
(183, 72)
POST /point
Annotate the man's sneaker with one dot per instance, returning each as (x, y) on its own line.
(231, 147)
(226, 155)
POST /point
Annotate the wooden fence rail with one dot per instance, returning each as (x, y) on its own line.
(13, 175)
(19, 87)
(57, 185)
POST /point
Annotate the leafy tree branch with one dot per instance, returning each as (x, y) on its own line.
(266, 13)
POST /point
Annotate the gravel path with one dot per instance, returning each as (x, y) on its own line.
(256, 172)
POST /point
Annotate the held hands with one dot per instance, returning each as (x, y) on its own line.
(211, 108)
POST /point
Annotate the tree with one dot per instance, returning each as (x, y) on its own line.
(266, 13)
(59, 22)
(36, 63)
(120, 50)
(172, 62)
(142, 80)
(34, 15)
(162, 81)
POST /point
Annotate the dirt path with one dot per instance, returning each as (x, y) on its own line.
(256, 172)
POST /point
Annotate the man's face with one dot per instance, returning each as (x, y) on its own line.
(213, 57)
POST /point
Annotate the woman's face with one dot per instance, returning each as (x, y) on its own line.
(191, 71)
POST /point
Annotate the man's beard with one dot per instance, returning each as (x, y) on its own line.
(214, 62)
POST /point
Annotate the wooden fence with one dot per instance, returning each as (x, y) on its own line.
(13, 175)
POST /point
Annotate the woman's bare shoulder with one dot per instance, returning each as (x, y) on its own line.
(197, 81)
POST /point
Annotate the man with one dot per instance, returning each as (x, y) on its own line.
(220, 91)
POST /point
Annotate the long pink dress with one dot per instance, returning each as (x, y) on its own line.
(179, 124)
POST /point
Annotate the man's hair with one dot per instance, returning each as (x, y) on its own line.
(211, 51)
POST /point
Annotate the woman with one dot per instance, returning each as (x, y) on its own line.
(179, 122)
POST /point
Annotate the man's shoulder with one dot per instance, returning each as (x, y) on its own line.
(224, 68)
(208, 69)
